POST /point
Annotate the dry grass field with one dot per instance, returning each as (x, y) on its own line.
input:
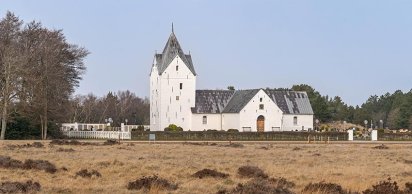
(355, 167)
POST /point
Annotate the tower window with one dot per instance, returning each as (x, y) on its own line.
(261, 106)
(261, 99)
(177, 67)
(177, 97)
(181, 85)
(204, 120)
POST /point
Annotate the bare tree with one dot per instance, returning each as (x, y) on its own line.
(10, 61)
(54, 70)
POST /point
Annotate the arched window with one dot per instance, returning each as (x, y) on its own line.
(177, 67)
(204, 120)
(295, 120)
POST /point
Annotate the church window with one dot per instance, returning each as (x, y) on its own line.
(177, 67)
(261, 99)
(181, 85)
(295, 120)
(261, 106)
(177, 97)
(204, 120)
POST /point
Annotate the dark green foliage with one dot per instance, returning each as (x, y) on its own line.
(230, 136)
(395, 110)
(232, 130)
(173, 128)
(20, 128)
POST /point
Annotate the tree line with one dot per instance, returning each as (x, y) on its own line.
(39, 71)
(394, 110)
(121, 107)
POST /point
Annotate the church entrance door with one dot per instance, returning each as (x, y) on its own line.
(260, 123)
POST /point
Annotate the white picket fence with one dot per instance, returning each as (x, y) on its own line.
(98, 134)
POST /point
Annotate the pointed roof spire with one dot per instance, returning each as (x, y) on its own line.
(173, 31)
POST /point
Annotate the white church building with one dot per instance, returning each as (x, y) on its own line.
(175, 100)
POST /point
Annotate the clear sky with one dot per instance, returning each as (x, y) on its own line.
(349, 48)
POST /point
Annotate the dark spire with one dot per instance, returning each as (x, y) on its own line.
(172, 29)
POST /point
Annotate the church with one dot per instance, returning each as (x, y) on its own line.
(175, 100)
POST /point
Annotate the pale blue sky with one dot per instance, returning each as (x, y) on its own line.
(348, 48)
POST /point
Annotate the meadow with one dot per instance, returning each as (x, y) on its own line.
(355, 167)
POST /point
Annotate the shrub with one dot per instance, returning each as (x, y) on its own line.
(86, 174)
(40, 165)
(384, 187)
(19, 187)
(140, 127)
(323, 187)
(261, 186)
(232, 130)
(251, 172)
(209, 173)
(151, 182)
(173, 128)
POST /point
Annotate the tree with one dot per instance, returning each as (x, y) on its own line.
(10, 64)
(232, 88)
(39, 70)
(318, 102)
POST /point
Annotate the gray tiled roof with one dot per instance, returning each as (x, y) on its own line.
(227, 101)
(211, 101)
(173, 48)
(239, 100)
(291, 102)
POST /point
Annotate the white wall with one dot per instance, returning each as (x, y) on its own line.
(249, 114)
(303, 120)
(213, 122)
(230, 121)
(154, 98)
(173, 111)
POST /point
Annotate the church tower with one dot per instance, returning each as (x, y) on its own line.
(172, 87)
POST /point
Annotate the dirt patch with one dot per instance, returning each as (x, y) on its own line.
(251, 172)
(197, 143)
(296, 149)
(233, 145)
(32, 145)
(65, 150)
(386, 186)
(65, 142)
(86, 174)
(323, 187)
(150, 182)
(262, 186)
(19, 187)
(209, 173)
(7, 162)
(111, 142)
(381, 147)
(407, 161)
